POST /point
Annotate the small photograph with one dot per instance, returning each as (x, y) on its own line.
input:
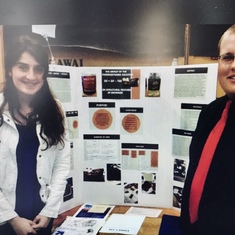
(68, 194)
(113, 172)
(179, 170)
(177, 196)
(131, 193)
(152, 84)
(130, 82)
(89, 85)
(95, 175)
(148, 185)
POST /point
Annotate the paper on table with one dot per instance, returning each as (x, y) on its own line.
(149, 212)
(122, 223)
(79, 226)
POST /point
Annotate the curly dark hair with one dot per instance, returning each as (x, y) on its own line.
(45, 108)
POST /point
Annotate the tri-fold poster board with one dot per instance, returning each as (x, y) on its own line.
(130, 130)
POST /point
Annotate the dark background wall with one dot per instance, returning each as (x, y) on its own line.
(133, 27)
(161, 40)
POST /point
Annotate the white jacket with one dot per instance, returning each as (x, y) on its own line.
(53, 166)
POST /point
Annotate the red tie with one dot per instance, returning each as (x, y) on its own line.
(204, 164)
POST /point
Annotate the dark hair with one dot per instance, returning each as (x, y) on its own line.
(45, 108)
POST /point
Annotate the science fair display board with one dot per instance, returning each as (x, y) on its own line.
(130, 130)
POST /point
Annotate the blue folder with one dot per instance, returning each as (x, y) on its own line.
(169, 225)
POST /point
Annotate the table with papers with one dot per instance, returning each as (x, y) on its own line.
(148, 219)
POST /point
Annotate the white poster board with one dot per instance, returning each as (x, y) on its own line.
(130, 130)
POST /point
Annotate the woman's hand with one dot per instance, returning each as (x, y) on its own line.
(22, 226)
(40, 221)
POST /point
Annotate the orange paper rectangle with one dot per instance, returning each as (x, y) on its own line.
(154, 158)
(133, 154)
(125, 152)
(142, 152)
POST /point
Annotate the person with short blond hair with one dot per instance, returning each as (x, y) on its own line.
(208, 201)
